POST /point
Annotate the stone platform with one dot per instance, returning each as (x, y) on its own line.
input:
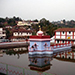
(13, 44)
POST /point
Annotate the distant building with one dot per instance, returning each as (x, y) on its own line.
(65, 35)
(2, 33)
(23, 23)
(8, 27)
(61, 22)
(20, 34)
(27, 23)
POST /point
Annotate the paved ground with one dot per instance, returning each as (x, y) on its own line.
(13, 44)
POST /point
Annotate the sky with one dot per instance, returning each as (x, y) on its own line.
(52, 10)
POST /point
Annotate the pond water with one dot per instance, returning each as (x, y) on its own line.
(18, 62)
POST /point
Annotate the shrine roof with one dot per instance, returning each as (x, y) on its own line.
(39, 37)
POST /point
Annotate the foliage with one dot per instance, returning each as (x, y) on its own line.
(35, 20)
(8, 33)
(9, 21)
(47, 27)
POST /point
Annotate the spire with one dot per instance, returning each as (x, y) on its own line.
(40, 33)
(39, 28)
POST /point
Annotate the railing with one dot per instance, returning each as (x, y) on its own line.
(54, 46)
(60, 45)
(15, 70)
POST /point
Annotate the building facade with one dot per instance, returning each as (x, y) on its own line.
(2, 33)
(20, 34)
(22, 23)
(27, 23)
(65, 35)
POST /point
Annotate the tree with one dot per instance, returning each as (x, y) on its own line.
(8, 33)
(47, 27)
(35, 20)
(2, 20)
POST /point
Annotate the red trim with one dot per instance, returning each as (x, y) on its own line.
(60, 55)
(65, 41)
(55, 41)
(65, 29)
(60, 41)
(72, 42)
(65, 55)
(66, 35)
(40, 50)
(60, 44)
(39, 37)
(73, 36)
(60, 35)
(55, 34)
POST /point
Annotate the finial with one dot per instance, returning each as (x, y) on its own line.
(39, 28)
(40, 33)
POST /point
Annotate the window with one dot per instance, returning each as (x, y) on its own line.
(19, 33)
(63, 32)
(3, 32)
(63, 41)
(69, 32)
(57, 41)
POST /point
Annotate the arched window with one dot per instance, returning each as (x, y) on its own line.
(63, 41)
(57, 41)
(69, 32)
(63, 32)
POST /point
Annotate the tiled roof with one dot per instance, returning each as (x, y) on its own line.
(21, 30)
(65, 29)
(16, 37)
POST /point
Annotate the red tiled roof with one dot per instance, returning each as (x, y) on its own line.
(65, 29)
(21, 30)
(15, 37)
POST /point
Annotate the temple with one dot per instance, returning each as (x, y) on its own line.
(40, 44)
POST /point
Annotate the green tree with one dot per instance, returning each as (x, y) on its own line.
(8, 33)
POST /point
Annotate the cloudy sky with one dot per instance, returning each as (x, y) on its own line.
(52, 10)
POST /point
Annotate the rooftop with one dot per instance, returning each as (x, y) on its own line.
(65, 29)
(39, 37)
(21, 30)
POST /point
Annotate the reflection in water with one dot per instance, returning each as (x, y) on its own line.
(15, 70)
(9, 69)
(68, 56)
(1, 53)
(15, 51)
(40, 63)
